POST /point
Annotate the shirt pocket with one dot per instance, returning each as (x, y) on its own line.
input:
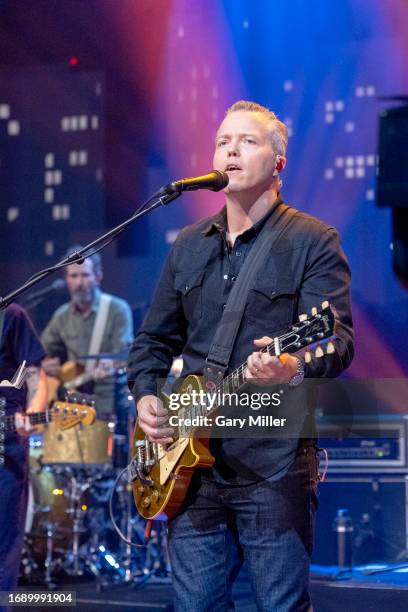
(272, 306)
(190, 285)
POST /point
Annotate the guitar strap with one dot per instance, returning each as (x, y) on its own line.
(226, 332)
(98, 330)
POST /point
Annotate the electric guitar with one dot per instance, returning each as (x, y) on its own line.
(73, 376)
(160, 474)
(64, 414)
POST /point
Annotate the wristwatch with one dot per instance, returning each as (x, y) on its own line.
(300, 374)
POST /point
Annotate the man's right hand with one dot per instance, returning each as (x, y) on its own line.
(153, 419)
(52, 366)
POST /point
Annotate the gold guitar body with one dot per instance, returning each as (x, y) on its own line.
(173, 467)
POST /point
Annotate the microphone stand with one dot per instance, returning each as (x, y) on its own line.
(161, 198)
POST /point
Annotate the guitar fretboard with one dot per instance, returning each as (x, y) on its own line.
(7, 423)
(303, 334)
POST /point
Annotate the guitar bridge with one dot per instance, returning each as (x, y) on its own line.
(136, 471)
(142, 463)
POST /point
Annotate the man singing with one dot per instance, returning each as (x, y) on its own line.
(257, 503)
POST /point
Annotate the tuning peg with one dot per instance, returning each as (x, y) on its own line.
(302, 317)
(319, 352)
(314, 311)
(330, 348)
(308, 357)
(325, 304)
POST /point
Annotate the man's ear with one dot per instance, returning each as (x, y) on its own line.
(99, 277)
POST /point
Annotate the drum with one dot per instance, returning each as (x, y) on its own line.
(50, 509)
(79, 446)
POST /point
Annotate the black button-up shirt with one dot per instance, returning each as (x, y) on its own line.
(306, 266)
(231, 260)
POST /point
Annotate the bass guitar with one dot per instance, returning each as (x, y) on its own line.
(64, 414)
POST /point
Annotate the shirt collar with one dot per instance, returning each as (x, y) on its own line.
(219, 222)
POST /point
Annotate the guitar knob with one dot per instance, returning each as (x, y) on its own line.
(325, 304)
(146, 502)
(330, 349)
(308, 357)
(302, 317)
(314, 311)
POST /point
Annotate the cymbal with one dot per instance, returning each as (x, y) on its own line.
(119, 356)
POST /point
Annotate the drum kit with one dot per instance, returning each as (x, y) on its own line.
(74, 483)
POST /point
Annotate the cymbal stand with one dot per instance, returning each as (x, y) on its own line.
(157, 563)
(75, 561)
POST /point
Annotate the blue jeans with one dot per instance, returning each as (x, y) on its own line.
(268, 525)
(13, 505)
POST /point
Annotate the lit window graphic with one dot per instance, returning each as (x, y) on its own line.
(4, 111)
(43, 194)
(13, 127)
(49, 195)
(12, 214)
(49, 160)
(61, 212)
(49, 248)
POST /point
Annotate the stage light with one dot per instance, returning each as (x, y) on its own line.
(73, 62)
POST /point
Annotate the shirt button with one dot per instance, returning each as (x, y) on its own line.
(238, 253)
(224, 305)
(233, 278)
(225, 276)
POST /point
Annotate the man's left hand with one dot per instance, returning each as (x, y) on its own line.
(22, 421)
(266, 369)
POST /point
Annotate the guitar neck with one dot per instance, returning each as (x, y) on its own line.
(37, 418)
(304, 334)
(234, 382)
(78, 381)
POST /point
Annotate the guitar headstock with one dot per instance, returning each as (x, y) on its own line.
(311, 335)
(77, 409)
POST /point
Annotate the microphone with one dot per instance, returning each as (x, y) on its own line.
(214, 180)
(56, 285)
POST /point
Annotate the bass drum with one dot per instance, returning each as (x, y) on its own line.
(79, 446)
(49, 510)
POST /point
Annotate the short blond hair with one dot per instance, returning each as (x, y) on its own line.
(279, 129)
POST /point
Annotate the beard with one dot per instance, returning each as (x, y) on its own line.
(83, 296)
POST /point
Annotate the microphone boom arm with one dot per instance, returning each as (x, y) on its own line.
(160, 199)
